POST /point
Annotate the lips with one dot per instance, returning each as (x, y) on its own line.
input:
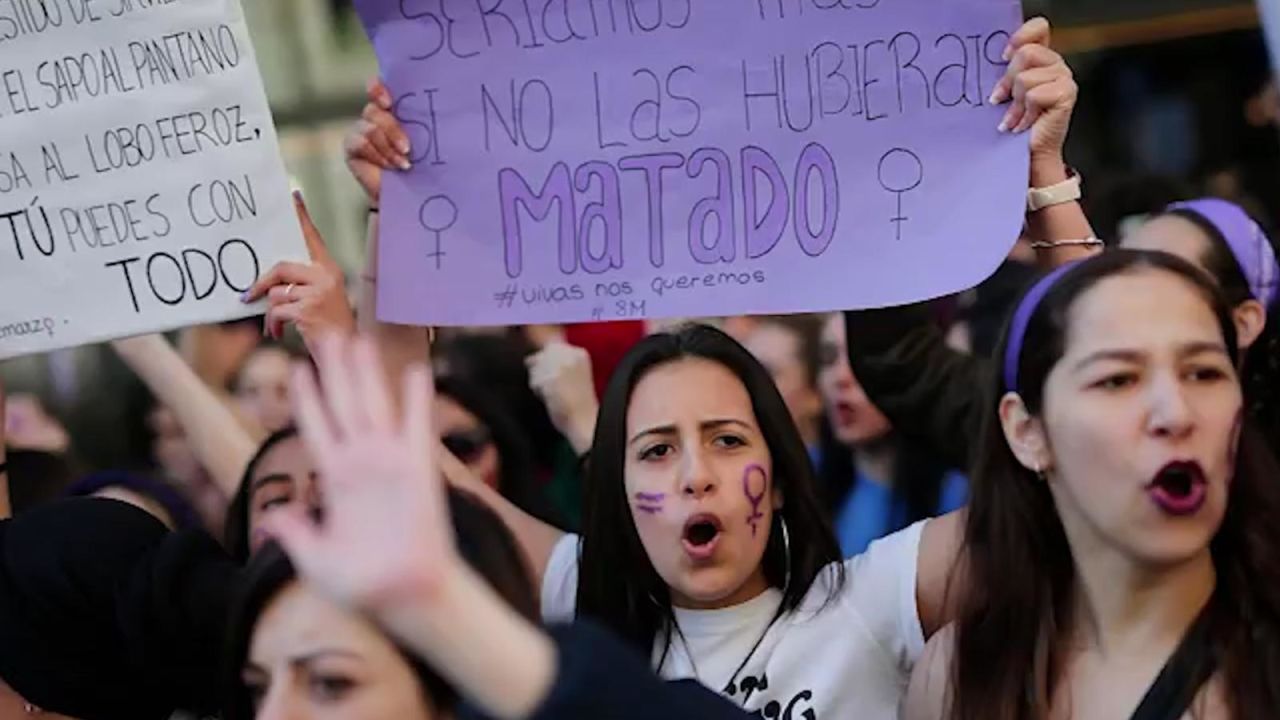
(1179, 489)
(701, 536)
(845, 413)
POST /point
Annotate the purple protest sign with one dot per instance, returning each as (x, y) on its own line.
(580, 160)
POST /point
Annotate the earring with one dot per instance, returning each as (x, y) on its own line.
(1040, 473)
(31, 709)
(786, 549)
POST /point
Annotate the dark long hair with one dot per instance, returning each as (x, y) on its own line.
(518, 480)
(618, 585)
(235, 528)
(483, 542)
(1010, 635)
(1260, 369)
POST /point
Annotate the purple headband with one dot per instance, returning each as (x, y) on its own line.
(1022, 318)
(1248, 243)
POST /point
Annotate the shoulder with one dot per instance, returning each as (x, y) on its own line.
(560, 581)
(928, 695)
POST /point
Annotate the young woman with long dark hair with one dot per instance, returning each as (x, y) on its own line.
(1122, 532)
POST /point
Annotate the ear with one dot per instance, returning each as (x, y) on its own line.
(1025, 434)
(1250, 318)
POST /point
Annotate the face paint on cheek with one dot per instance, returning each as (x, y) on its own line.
(752, 478)
(650, 503)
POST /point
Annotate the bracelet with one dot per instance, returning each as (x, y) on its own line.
(1092, 242)
(373, 210)
(1067, 191)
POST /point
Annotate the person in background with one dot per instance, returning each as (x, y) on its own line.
(882, 482)
(261, 387)
(788, 347)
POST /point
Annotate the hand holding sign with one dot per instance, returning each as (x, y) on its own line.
(311, 296)
(1042, 88)
(376, 142)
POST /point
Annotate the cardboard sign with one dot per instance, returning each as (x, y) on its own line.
(141, 187)
(579, 160)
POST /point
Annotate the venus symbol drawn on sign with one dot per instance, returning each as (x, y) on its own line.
(437, 214)
(900, 172)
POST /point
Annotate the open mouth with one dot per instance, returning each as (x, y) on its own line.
(701, 535)
(1179, 488)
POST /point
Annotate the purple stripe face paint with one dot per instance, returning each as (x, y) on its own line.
(755, 485)
(650, 503)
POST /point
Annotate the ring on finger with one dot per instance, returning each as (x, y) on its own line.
(289, 290)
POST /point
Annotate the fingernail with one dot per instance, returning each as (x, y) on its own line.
(297, 196)
(403, 145)
(995, 97)
(244, 298)
(1007, 55)
(1003, 126)
(404, 164)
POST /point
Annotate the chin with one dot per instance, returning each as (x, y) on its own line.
(1173, 546)
(706, 587)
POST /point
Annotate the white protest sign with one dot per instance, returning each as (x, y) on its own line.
(141, 186)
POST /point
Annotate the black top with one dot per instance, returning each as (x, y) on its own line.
(599, 677)
(104, 614)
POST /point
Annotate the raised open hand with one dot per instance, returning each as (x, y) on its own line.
(385, 537)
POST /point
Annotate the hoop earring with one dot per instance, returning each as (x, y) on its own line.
(786, 551)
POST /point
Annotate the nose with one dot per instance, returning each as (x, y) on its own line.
(1170, 414)
(696, 477)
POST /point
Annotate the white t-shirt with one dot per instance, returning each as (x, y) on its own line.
(852, 657)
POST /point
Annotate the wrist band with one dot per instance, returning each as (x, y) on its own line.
(374, 210)
(1055, 244)
(1067, 191)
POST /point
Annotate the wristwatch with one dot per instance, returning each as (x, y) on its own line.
(1068, 190)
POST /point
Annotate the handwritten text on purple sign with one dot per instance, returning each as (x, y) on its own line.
(580, 159)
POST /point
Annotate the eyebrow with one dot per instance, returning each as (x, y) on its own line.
(704, 426)
(322, 653)
(271, 479)
(1133, 356)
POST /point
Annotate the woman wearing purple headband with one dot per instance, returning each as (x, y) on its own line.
(933, 393)
(1123, 524)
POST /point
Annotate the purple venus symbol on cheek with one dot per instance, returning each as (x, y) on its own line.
(650, 503)
(752, 478)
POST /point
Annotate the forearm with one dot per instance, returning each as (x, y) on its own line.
(466, 632)
(1057, 223)
(536, 539)
(218, 437)
(400, 345)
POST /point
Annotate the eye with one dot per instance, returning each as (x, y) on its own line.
(274, 503)
(656, 452)
(330, 688)
(828, 355)
(1207, 373)
(730, 442)
(1118, 381)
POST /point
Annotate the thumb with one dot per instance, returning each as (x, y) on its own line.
(316, 248)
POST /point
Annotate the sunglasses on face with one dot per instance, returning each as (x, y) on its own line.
(467, 445)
